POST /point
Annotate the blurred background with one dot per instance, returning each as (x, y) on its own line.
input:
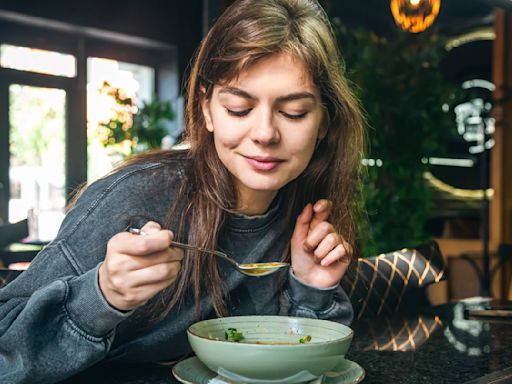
(84, 85)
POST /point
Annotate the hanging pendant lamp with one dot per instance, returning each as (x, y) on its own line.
(415, 15)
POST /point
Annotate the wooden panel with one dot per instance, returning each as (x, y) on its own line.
(501, 155)
(456, 247)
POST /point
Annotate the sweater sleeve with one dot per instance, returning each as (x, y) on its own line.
(54, 320)
(304, 300)
(55, 326)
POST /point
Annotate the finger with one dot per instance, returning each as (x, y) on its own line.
(338, 254)
(142, 285)
(317, 234)
(327, 244)
(302, 224)
(155, 274)
(131, 244)
(321, 212)
(165, 256)
(150, 227)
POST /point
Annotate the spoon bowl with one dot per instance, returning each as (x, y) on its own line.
(252, 269)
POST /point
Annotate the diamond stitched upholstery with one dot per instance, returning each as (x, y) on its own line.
(380, 283)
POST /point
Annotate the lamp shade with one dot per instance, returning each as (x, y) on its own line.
(415, 15)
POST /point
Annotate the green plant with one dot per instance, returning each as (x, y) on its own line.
(148, 123)
(401, 88)
(134, 129)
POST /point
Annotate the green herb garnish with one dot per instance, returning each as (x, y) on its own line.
(232, 334)
(305, 339)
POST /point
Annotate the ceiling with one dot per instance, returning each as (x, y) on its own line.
(454, 15)
(170, 20)
(181, 23)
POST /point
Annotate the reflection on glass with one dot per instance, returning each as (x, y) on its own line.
(37, 60)
(399, 334)
(37, 153)
(135, 82)
(470, 337)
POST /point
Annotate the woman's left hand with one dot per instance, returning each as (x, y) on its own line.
(320, 256)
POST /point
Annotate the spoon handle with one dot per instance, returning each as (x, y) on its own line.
(222, 255)
(199, 249)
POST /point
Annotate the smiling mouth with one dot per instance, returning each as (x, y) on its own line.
(263, 163)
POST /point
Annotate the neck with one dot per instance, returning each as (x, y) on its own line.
(253, 203)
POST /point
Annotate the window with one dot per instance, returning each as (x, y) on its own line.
(37, 149)
(37, 60)
(105, 78)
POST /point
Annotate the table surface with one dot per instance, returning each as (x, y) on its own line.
(437, 345)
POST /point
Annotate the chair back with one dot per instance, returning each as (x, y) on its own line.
(8, 275)
(384, 283)
(11, 233)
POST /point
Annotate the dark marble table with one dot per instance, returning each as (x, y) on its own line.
(438, 345)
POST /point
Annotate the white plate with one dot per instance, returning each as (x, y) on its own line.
(193, 371)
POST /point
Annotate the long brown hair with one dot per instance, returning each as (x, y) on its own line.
(246, 32)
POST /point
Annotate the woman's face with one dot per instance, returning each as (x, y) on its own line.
(265, 124)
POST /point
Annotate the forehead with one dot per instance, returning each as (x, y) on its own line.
(282, 69)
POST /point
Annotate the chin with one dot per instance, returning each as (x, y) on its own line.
(265, 185)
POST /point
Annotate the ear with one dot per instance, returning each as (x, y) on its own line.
(205, 106)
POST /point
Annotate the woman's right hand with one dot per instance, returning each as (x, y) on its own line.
(137, 267)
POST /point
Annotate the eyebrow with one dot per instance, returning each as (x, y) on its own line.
(290, 97)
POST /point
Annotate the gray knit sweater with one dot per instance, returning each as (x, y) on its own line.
(55, 322)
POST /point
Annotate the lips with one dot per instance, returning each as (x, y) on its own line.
(263, 163)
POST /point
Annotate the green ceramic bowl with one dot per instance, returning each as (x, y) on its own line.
(270, 349)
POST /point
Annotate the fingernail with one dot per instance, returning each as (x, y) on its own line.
(137, 231)
(322, 205)
(324, 263)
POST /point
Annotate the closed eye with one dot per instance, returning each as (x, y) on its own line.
(293, 116)
(242, 113)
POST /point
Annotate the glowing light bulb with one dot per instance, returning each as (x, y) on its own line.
(414, 15)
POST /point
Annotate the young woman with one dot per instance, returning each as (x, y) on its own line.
(275, 139)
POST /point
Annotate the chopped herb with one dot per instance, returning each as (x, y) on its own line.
(233, 335)
(305, 339)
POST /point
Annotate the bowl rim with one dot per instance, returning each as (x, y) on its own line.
(283, 346)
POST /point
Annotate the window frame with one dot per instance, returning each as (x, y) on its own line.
(83, 43)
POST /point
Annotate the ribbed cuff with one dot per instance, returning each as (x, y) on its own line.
(87, 307)
(308, 296)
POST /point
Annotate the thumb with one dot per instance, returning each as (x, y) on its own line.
(302, 224)
(151, 227)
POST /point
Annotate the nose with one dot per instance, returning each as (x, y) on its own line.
(265, 130)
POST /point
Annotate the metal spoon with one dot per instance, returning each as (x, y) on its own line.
(253, 269)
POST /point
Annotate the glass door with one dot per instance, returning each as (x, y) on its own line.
(37, 146)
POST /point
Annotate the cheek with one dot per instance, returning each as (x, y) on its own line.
(225, 132)
(303, 145)
(224, 144)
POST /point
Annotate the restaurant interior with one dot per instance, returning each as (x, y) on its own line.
(78, 80)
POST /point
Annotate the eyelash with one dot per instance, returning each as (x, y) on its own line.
(243, 113)
(246, 112)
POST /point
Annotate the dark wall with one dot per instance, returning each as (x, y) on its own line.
(183, 22)
(161, 20)
(170, 21)
(454, 15)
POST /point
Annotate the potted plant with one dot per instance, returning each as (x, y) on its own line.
(135, 129)
(402, 90)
